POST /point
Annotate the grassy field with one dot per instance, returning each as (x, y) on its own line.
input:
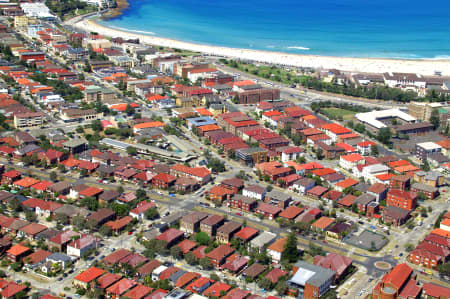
(336, 113)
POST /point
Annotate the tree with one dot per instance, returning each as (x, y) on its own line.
(53, 176)
(409, 247)
(202, 238)
(205, 263)
(374, 150)
(61, 168)
(151, 213)
(384, 135)
(97, 125)
(435, 118)
(214, 277)
(176, 252)
(120, 189)
(444, 269)
(290, 253)
(426, 165)
(83, 172)
(281, 287)
(78, 222)
(15, 205)
(90, 202)
(266, 284)
(319, 154)
(62, 218)
(129, 110)
(141, 194)
(131, 151)
(190, 258)
(30, 216)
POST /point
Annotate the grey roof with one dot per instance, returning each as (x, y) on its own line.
(47, 234)
(27, 149)
(364, 199)
(438, 157)
(245, 199)
(70, 211)
(175, 276)
(361, 187)
(173, 218)
(304, 182)
(395, 212)
(75, 142)
(60, 186)
(106, 169)
(424, 187)
(433, 175)
(58, 257)
(251, 150)
(255, 188)
(277, 195)
(263, 239)
(109, 195)
(311, 274)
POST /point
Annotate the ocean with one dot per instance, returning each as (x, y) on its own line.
(407, 29)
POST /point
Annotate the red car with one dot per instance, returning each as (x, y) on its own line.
(239, 214)
(130, 233)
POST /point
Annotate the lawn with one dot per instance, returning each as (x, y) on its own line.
(336, 113)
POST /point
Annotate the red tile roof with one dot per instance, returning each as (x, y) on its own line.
(398, 275)
(121, 286)
(435, 291)
(187, 245)
(90, 274)
(291, 212)
(246, 233)
(216, 289)
(138, 292)
(170, 234)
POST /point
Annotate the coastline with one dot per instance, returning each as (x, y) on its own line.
(362, 65)
(117, 11)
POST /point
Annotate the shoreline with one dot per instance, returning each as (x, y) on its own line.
(361, 65)
(117, 11)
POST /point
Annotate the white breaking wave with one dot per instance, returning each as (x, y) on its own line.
(131, 30)
(299, 48)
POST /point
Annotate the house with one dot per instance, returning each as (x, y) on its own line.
(339, 230)
(316, 192)
(254, 270)
(17, 252)
(254, 191)
(291, 153)
(395, 215)
(398, 283)
(171, 236)
(59, 242)
(434, 291)
(268, 210)
(107, 280)
(199, 285)
(379, 191)
(432, 178)
(262, 240)
(108, 196)
(210, 224)
(163, 180)
(363, 201)
(425, 189)
(119, 225)
(10, 177)
(275, 274)
(82, 245)
(402, 199)
(219, 254)
(10, 289)
(226, 231)
(235, 264)
(233, 184)
(142, 207)
(291, 212)
(191, 222)
(323, 223)
(276, 249)
(216, 289)
(116, 257)
(351, 160)
(87, 277)
(246, 234)
(402, 182)
(278, 199)
(243, 203)
(119, 288)
(365, 147)
(138, 292)
(335, 262)
(303, 185)
(31, 230)
(310, 280)
(101, 217)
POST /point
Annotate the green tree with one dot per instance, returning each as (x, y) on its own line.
(151, 213)
(79, 222)
(15, 205)
(426, 165)
(141, 194)
(384, 135)
(83, 172)
(409, 247)
(30, 216)
(61, 168)
(281, 287)
(435, 118)
(176, 252)
(374, 150)
(190, 258)
(444, 269)
(266, 284)
(131, 151)
(97, 125)
(202, 238)
(290, 253)
(214, 277)
(205, 263)
(53, 176)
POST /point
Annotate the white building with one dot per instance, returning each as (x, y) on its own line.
(371, 171)
(254, 191)
(303, 185)
(373, 119)
(404, 80)
(350, 161)
(157, 272)
(37, 10)
(79, 247)
(291, 153)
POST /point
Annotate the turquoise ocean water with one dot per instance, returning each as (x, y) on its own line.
(358, 28)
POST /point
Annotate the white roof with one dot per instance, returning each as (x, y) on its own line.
(302, 276)
(377, 168)
(429, 145)
(372, 117)
(159, 270)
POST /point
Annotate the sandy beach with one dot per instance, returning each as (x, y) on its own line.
(366, 65)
